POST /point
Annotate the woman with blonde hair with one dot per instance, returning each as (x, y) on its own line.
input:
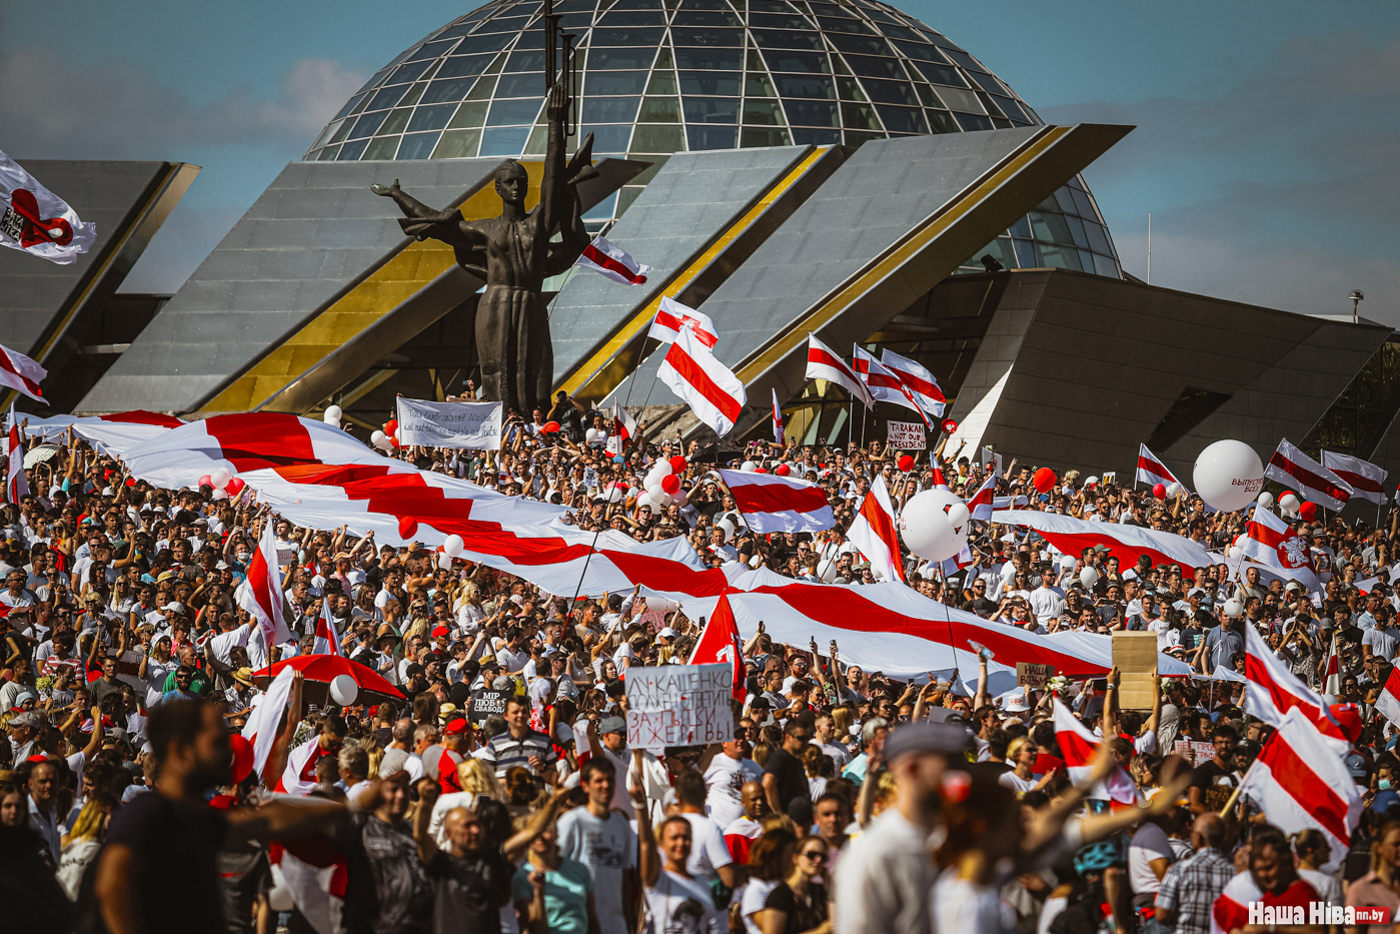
(84, 841)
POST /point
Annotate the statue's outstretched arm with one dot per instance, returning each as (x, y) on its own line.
(552, 195)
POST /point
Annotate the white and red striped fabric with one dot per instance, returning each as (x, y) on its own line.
(1151, 470)
(1078, 747)
(1367, 480)
(262, 725)
(299, 777)
(1125, 542)
(770, 503)
(1332, 677)
(1293, 468)
(719, 643)
(1230, 912)
(1388, 703)
(1300, 782)
(261, 591)
(711, 389)
(823, 363)
(1271, 690)
(113, 434)
(21, 374)
(671, 316)
(981, 502)
(16, 481)
(315, 873)
(873, 532)
(613, 261)
(951, 566)
(779, 435)
(624, 429)
(327, 641)
(918, 380)
(883, 384)
(1271, 541)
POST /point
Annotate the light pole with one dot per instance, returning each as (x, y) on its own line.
(1356, 299)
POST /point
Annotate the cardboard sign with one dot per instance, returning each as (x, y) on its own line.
(907, 436)
(472, 425)
(679, 705)
(485, 703)
(1033, 676)
(1194, 753)
(1135, 656)
(128, 664)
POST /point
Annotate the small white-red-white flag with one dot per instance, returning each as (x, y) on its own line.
(1078, 747)
(613, 261)
(261, 591)
(672, 316)
(1300, 782)
(1151, 470)
(1293, 468)
(1272, 542)
(16, 481)
(779, 436)
(712, 391)
(36, 220)
(262, 725)
(883, 384)
(1388, 703)
(981, 503)
(873, 532)
(770, 503)
(1367, 480)
(21, 374)
(719, 643)
(823, 363)
(327, 640)
(624, 429)
(918, 380)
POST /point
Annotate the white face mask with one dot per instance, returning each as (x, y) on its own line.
(242, 557)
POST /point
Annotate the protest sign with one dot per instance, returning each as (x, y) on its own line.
(679, 705)
(1135, 656)
(128, 665)
(1031, 675)
(906, 436)
(1194, 753)
(475, 425)
(487, 702)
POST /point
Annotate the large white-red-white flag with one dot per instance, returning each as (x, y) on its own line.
(613, 261)
(1300, 782)
(823, 363)
(770, 503)
(712, 391)
(873, 532)
(671, 316)
(883, 384)
(1367, 480)
(983, 501)
(719, 643)
(1271, 690)
(1231, 910)
(261, 591)
(918, 380)
(21, 374)
(36, 220)
(16, 482)
(779, 435)
(1272, 542)
(1151, 470)
(1078, 747)
(1293, 468)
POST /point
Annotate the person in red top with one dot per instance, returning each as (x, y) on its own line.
(1272, 881)
(454, 736)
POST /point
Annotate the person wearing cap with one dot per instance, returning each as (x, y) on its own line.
(454, 740)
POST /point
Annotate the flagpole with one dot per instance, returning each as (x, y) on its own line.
(632, 377)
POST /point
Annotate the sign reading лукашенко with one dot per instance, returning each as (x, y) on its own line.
(471, 425)
(679, 705)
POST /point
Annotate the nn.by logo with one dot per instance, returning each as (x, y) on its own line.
(1317, 913)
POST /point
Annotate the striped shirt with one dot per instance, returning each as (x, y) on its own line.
(506, 752)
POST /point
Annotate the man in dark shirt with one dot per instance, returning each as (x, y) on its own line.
(471, 879)
(1218, 772)
(784, 778)
(387, 890)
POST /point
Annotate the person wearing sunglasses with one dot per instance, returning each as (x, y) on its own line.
(798, 904)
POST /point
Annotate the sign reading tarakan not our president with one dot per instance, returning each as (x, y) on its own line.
(679, 705)
(475, 425)
(907, 436)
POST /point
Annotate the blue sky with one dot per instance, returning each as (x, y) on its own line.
(1268, 146)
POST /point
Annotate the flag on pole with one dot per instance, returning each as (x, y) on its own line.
(261, 591)
(1293, 468)
(672, 316)
(16, 481)
(1332, 679)
(1078, 747)
(918, 380)
(612, 261)
(1367, 480)
(770, 503)
(21, 374)
(1272, 542)
(873, 532)
(719, 643)
(823, 363)
(712, 391)
(327, 638)
(779, 436)
(1388, 703)
(883, 384)
(36, 220)
(1151, 471)
(260, 730)
(981, 503)
(624, 429)
(1271, 691)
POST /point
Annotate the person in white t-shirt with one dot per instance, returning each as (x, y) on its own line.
(709, 857)
(675, 900)
(725, 777)
(1149, 857)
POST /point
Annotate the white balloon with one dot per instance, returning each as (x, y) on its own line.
(644, 499)
(654, 478)
(728, 525)
(331, 420)
(220, 494)
(344, 690)
(1266, 499)
(1089, 578)
(1175, 489)
(445, 561)
(280, 899)
(453, 545)
(1068, 562)
(662, 467)
(334, 412)
(221, 477)
(1091, 481)
(1233, 607)
(1288, 502)
(958, 514)
(1228, 475)
(655, 492)
(748, 466)
(926, 529)
(1235, 552)
(379, 439)
(677, 499)
(590, 435)
(614, 493)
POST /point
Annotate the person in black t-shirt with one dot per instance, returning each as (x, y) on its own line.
(1209, 778)
(387, 890)
(784, 779)
(471, 878)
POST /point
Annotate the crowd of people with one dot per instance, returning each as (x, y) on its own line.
(846, 800)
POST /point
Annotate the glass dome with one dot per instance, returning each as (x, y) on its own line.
(664, 76)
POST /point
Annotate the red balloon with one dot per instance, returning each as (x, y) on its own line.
(551, 427)
(1308, 510)
(1043, 480)
(670, 484)
(1159, 490)
(408, 527)
(949, 426)
(906, 462)
(391, 427)
(678, 464)
(761, 470)
(782, 470)
(130, 481)
(235, 486)
(206, 481)
(242, 757)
